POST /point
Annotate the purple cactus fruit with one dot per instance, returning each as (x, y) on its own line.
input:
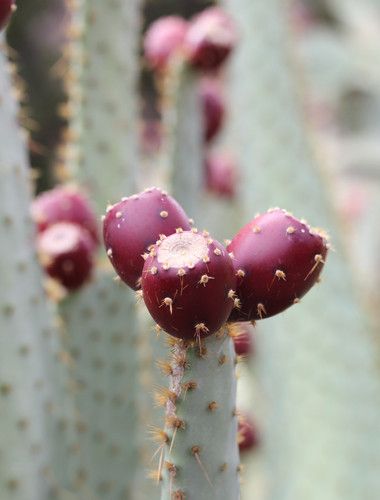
(135, 223)
(188, 284)
(6, 9)
(221, 175)
(64, 204)
(210, 39)
(248, 436)
(163, 40)
(277, 259)
(66, 253)
(213, 107)
(242, 336)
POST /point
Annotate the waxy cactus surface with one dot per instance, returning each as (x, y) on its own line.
(200, 457)
(188, 284)
(277, 258)
(163, 40)
(64, 204)
(66, 253)
(135, 223)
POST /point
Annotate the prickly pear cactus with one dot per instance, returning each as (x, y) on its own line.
(200, 404)
(185, 153)
(322, 425)
(104, 352)
(31, 358)
(183, 124)
(102, 108)
(100, 320)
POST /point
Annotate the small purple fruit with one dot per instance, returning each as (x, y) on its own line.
(213, 107)
(188, 285)
(242, 335)
(277, 259)
(248, 437)
(221, 175)
(6, 9)
(135, 223)
(163, 40)
(66, 253)
(64, 204)
(210, 39)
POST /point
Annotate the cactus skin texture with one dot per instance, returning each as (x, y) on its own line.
(185, 275)
(201, 403)
(101, 150)
(163, 40)
(66, 253)
(6, 9)
(64, 204)
(314, 350)
(135, 223)
(31, 358)
(277, 259)
(103, 348)
(100, 320)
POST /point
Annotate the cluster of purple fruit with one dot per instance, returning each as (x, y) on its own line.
(67, 235)
(204, 43)
(191, 284)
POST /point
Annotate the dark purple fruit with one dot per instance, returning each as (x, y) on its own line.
(242, 335)
(6, 9)
(66, 253)
(188, 285)
(135, 223)
(277, 259)
(210, 39)
(163, 40)
(248, 437)
(64, 204)
(221, 175)
(213, 107)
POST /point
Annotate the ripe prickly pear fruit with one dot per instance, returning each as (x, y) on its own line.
(66, 253)
(221, 175)
(277, 259)
(135, 223)
(248, 437)
(164, 39)
(213, 107)
(188, 285)
(242, 335)
(6, 9)
(210, 39)
(64, 204)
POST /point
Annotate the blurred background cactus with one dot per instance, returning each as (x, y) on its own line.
(281, 108)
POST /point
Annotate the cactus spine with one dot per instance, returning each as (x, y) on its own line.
(312, 358)
(200, 456)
